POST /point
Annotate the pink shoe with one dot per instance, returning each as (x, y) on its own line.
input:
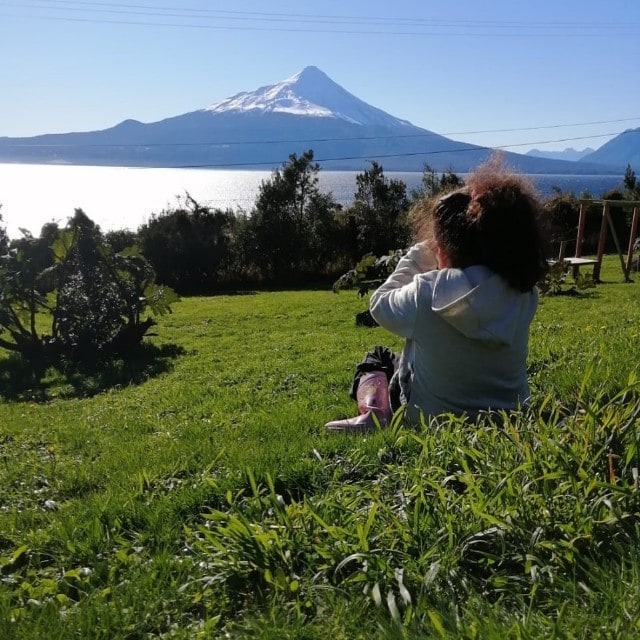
(373, 403)
(363, 422)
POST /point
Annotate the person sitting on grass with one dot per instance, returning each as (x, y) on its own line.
(463, 298)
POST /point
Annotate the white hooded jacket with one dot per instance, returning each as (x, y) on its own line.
(467, 334)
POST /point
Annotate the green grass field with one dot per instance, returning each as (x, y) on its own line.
(194, 493)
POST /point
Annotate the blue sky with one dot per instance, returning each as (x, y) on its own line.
(523, 73)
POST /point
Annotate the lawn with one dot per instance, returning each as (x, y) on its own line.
(194, 492)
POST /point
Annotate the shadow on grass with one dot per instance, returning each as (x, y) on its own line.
(572, 292)
(19, 383)
(576, 293)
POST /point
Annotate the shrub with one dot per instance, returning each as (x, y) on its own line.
(94, 298)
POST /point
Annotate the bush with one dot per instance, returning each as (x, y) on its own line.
(192, 247)
(94, 298)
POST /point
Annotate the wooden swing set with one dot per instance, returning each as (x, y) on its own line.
(607, 224)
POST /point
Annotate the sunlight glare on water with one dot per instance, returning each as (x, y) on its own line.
(113, 197)
(124, 198)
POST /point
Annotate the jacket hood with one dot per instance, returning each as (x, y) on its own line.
(480, 304)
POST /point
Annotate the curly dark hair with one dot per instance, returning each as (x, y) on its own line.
(493, 221)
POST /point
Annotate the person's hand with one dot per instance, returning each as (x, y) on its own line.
(424, 257)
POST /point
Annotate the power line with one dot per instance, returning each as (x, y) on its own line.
(550, 126)
(393, 155)
(307, 140)
(270, 15)
(433, 28)
(225, 165)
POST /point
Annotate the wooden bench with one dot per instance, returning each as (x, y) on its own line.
(579, 262)
(576, 263)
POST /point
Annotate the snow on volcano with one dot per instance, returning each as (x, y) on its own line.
(309, 93)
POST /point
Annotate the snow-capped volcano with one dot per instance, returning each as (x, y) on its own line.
(262, 128)
(308, 93)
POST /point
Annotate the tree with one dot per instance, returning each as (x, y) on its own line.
(450, 180)
(191, 247)
(379, 212)
(94, 297)
(120, 239)
(560, 219)
(434, 184)
(629, 179)
(290, 219)
(38, 248)
(327, 251)
(631, 185)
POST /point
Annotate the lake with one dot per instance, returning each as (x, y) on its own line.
(125, 198)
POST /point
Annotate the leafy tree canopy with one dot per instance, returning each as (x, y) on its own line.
(91, 298)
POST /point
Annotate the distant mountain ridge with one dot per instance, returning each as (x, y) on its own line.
(623, 148)
(260, 129)
(567, 154)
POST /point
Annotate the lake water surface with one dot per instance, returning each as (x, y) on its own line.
(125, 198)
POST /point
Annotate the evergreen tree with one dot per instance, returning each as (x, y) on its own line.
(291, 220)
(631, 185)
(629, 179)
(379, 212)
(434, 184)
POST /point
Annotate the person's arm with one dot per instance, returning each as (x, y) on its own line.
(394, 304)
